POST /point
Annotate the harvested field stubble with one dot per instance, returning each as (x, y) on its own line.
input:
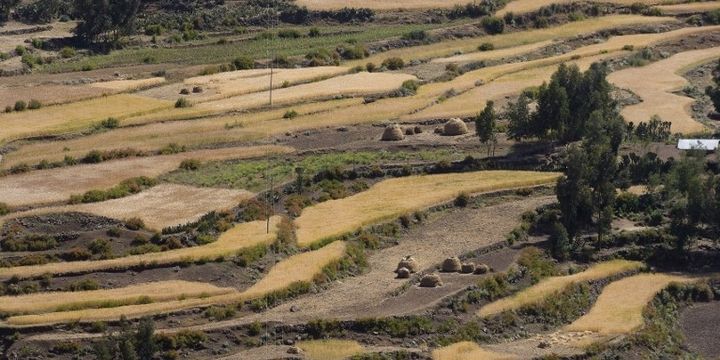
(330, 349)
(76, 116)
(55, 185)
(619, 309)
(389, 199)
(159, 207)
(128, 85)
(526, 6)
(379, 4)
(468, 351)
(689, 8)
(302, 268)
(151, 292)
(245, 235)
(655, 84)
(548, 287)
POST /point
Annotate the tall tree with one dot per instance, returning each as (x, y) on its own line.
(574, 193)
(105, 20)
(485, 127)
(553, 111)
(144, 338)
(5, 7)
(519, 118)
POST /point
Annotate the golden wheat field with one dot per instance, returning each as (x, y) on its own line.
(304, 267)
(655, 84)
(330, 349)
(619, 309)
(389, 199)
(512, 39)
(242, 236)
(468, 351)
(526, 6)
(128, 85)
(76, 116)
(197, 133)
(50, 94)
(379, 4)
(160, 291)
(159, 207)
(689, 8)
(49, 186)
(494, 54)
(546, 288)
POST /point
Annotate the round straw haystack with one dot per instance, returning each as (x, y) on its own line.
(431, 281)
(393, 133)
(455, 127)
(418, 130)
(468, 268)
(482, 269)
(409, 131)
(403, 273)
(409, 263)
(452, 264)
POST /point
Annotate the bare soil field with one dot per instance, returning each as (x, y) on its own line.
(159, 207)
(700, 325)
(659, 82)
(49, 186)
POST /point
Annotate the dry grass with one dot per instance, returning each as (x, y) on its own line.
(159, 207)
(468, 351)
(50, 94)
(470, 45)
(330, 349)
(619, 308)
(66, 118)
(195, 133)
(58, 30)
(128, 85)
(655, 84)
(242, 236)
(155, 292)
(56, 185)
(689, 8)
(298, 268)
(247, 81)
(494, 54)
(526, 6)
(392, 198)
(379, 4)
(553, 285)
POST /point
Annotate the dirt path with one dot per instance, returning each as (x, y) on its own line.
(272, 352)
(701, 325)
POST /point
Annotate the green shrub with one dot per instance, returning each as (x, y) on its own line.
(134, 224)
(4, 209)
(83, 285)
(99, 246)
(20, 50)
(493, 25)
(20, 105)
(370, 67)
(290, 114)
(314, 32)
(219, 313)
(34, 104)
(243, 63)
(416, 35)
(289, 34)
(462, 200)
(393, 63)
(358, 51)
(486, 46)
(190, 164)
(182, 103)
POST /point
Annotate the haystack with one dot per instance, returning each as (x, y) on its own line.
(403, 273)
(418, 130)
(431, 281)
(452, 264)
(393, 133)
(468, 268)
(409, 131)
(455, 127)
(482, 269)
(409, 263)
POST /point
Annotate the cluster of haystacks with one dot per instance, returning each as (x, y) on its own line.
(455, 127)
(453, 265)
(431, 281)
(408, 265)
(393, 133)
(467, 268)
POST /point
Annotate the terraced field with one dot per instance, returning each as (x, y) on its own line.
(378, 4)
(526, 6)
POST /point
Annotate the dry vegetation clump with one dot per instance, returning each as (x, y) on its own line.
(431, 281)
(134, 294)
(388, 199)
(330, 349)
(468, 351)
(619, 309)
(76, 116)
(656, 84)
(55, 185)
(545, 288)
(242, 236)
(393, 133)
(301, 268)
(452, 264)
(128, 85)
(455, 127)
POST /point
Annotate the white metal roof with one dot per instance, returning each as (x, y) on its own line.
(698, 144)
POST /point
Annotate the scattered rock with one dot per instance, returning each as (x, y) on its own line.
(294, 308)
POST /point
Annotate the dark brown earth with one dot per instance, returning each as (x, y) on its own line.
(701, 325)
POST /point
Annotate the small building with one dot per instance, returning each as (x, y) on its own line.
(698, 144)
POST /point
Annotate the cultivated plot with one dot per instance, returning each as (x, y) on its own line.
(330, 349)
(468, 351)
(389, 199)
(379, 4)
(159, 207)
(526, 6)
(56, 185)
(128, 85)
(656, 83)
(689, 8)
